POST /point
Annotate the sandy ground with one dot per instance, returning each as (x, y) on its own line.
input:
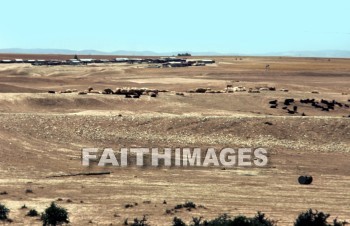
(42, 135)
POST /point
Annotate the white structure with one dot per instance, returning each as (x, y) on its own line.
(87, 60)
(121, 59)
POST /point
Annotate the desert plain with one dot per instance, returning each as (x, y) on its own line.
(42, 134)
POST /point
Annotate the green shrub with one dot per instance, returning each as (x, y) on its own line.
(138, 222)
(225, 220)
(178, 206)
(54, 215)
(4, 211)
(196, 221)
(308, 218)
(189, 205)
(29, 191)
(315, 218)
(312, 218)
(241, 221)
(337, 223)
(32, 213)
(261, 220)
(178, 222)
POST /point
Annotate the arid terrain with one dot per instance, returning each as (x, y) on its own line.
(42, 134)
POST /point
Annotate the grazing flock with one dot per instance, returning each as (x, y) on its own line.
(290, 106)
(232, 89)
(133, 92)
(127, 92)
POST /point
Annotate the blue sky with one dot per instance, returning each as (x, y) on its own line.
(226, 26)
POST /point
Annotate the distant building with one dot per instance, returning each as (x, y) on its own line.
(6, 61)
(135, 60)
(74, 62)
(102, 61)
(206, 61)
(201, 61)
(121, 60)
(176, 64)
(87, 61)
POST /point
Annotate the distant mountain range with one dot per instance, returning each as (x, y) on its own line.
(96, 52)
(322, 53)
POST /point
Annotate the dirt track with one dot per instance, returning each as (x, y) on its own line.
(42, 134)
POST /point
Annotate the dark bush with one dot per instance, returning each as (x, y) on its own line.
(312, 218)
(138, 222)
(32, 213)
(29, 191)
(241, 221)
(225, 220)
(222, 220)
(261, 220)
(178, 222)
(315, 218)
(167, 211)
(190, 205)
(337, 223)
(54, 215)
(178, 206)
(187, 205)
(196, 221)
(128, 206)
(308, 218)
(4, 211)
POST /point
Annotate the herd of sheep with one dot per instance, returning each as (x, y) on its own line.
(324, 105)
(137, 92)
(133, 92)
(232, 89)
(128, 92)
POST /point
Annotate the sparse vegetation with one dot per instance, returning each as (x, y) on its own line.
(142, 222)
(29, 191)
(54, 215)
(178, 222)
(32, 213)
(188, 205)
(4, 211)
(225, 220)
(128, 206)
(197, 221)
(167, 211)
(62, 121)
(315, 218)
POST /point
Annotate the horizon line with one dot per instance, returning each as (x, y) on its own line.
(300, 54)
